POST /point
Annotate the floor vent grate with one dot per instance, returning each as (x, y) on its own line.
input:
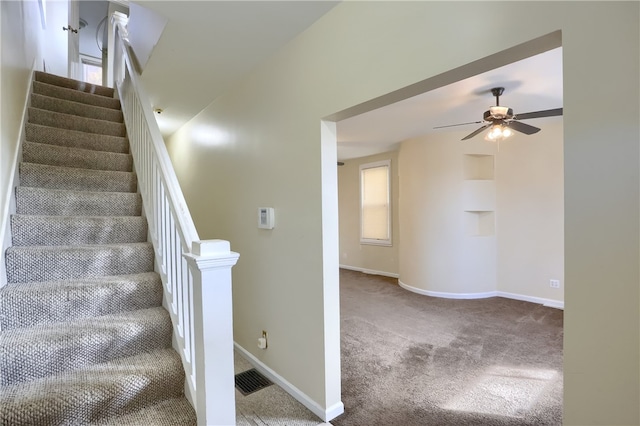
(251, 381)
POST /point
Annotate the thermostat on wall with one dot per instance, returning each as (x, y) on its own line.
(266, 218)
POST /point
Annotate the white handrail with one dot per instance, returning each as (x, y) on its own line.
(196, 274)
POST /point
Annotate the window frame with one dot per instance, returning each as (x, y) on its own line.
(388, 242)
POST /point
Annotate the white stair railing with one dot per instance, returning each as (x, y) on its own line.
(196, 274)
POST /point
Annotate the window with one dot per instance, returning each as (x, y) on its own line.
(91, 69)
(375, 211)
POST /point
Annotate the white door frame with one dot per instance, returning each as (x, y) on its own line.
(75, 67)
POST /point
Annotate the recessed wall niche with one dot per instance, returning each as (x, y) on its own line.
(478, 167)
(480, 223)
(479, 197)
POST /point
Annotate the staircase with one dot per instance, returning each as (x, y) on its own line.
(84, 338)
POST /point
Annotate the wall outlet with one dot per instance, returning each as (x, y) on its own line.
(554, 283)
(262, 341)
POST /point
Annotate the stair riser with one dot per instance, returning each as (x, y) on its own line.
(29, 356)
(75, 108)
(34, 304)
(42, 201)
(75, 158)
(25, 264)
(83, 397)
(73, 230)
(72, 122)
(74, 139)
(75, 95)
(44, 176)
(83, 335)
(73, 84)
(176, 411)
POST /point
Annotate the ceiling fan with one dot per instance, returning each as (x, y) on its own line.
(502, 120)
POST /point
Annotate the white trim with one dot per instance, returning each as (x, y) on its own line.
(370, 271)
(88, 59)
(558, 304)
(537, 300)
(330, 272)
(42, 6)
(10, 201)
(445, 295)
(371, 242)
(325, 414)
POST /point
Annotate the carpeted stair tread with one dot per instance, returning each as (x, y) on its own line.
(43, 350)
(34, 263)
(73, 122)
(30, 230)
(33, 303)
(95, 392)
(76, 139)
(55, 177)
(81, 86)
(171, 412)
(44, 201)
(79, 109)
(75, 158)
(75, 95)
(84, 338)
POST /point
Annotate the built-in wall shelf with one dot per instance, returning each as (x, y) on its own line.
(479, 194)
(480, 223)
(478, 167)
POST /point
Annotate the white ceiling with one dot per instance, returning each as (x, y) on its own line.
(532, 84)
(227, 39)
(209, 46)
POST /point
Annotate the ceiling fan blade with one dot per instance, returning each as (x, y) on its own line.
(523, 128)
(480, 130)
(459, 124)
(539, 114)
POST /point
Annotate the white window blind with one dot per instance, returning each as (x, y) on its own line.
(374, 203)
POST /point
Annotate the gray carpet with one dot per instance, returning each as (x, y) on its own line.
(410, 360)
(271, 406)
(84, 338)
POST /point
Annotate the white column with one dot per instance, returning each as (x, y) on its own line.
(210, 264)
(116, 18)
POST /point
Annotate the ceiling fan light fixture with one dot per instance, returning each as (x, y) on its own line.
(500, 111)
(498, 132)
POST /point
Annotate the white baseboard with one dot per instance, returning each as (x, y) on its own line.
(538, 300)
(445, 295)
(325, 414)
(370, 271)
(542, 301)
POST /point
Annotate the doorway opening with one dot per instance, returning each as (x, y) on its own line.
(425, 350)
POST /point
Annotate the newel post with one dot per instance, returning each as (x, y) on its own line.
(210, 264)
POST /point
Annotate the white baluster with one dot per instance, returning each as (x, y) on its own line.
(195, 274)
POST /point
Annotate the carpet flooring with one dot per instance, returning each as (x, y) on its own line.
(410, 360)
(270, 406)
(84, 338)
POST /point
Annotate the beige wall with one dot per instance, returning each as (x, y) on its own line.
(530, 213)
(439, 254)
(366, 257)
(261, 147)
(25, 46)
(19, 35)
